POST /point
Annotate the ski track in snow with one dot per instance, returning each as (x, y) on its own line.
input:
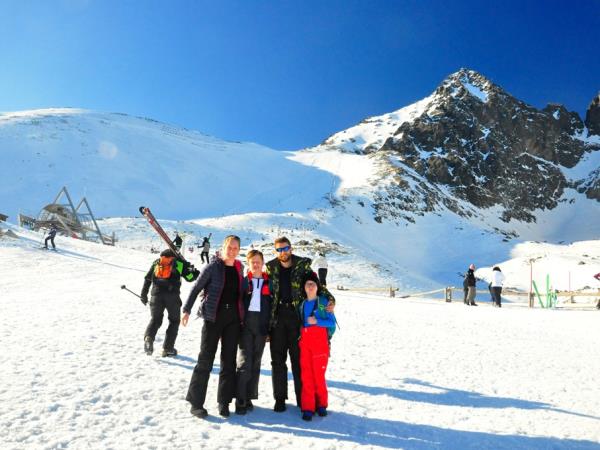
(414, 374)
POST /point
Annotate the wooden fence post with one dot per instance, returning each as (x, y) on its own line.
(448, 294)
(392, 293)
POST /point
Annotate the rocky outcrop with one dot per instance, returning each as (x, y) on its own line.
(474, 142)
(592, 116)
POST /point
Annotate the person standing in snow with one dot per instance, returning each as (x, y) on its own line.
(471, 285)
(50, 237)
(223, 312)
(205, 249)
(286, 272)
(165, 277)
(177, 242)
(314, 348)
(257, 315)
(597, 277)
(320, 263)
(496, 286)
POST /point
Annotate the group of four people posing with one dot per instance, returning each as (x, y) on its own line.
(284, 305)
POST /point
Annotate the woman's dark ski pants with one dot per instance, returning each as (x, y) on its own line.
(226, 329)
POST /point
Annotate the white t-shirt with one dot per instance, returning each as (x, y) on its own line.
(497, 278)
(257, 284)
(319, 263)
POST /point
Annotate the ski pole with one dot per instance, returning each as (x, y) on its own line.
(125, 287)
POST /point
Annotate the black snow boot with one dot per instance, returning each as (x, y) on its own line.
(169, 352)
(223, 409)
(279, 405)
(199, 412)
(148, 345)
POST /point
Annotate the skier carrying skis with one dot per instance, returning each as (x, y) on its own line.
(165, 277)
(50, 237)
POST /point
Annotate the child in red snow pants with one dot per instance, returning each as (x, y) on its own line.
(314, 355)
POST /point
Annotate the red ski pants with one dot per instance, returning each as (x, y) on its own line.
(314, 355)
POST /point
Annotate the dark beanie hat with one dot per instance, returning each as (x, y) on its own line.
(311, 277)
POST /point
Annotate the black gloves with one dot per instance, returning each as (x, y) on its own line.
(144, 299)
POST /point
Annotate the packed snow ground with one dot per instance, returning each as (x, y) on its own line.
(404, 373)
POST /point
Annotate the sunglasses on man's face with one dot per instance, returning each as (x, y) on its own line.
(283, 249)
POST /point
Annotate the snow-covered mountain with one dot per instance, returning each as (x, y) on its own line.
(411, 197)
(474, 149)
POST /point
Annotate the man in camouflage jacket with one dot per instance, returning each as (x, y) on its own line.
(287, 273)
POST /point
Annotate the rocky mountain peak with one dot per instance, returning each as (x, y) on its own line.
(592, 116)
(474, 142)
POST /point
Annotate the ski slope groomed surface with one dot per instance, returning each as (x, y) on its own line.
(404, 373)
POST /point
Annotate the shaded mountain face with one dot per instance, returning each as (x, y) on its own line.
(474, 142)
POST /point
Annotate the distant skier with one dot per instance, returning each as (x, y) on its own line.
(320, 263)
(205, 248)
(597, 277)
(177, 241)
(471, 285)
(50, 237)
(496, 286)
(165, 277)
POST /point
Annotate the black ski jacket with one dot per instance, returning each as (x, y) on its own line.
(171, 285)
(211, 282)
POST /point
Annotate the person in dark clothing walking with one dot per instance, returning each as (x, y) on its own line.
(287, 273)
(50, 237)
(320, 263)
(223, 312)
(165, 277)
(205, 249)
(177, 242)
(257, 315)
(471, 283)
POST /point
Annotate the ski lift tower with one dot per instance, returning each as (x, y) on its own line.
(78, 222)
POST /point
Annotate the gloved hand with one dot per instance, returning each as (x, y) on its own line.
(144, 299)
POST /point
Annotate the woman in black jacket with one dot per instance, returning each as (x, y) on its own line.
(257, 315)
(223, 312)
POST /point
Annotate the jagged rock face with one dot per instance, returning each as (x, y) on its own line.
(592, 116)
(488, 148)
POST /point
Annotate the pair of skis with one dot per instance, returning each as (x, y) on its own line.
(161, 232)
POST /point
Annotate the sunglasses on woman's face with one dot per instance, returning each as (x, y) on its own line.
(283, 249)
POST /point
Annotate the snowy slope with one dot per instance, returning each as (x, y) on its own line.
(323, 194)
(410, 373)
(121, 162)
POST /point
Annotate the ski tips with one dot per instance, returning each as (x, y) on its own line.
(123, 286)
(142, 209)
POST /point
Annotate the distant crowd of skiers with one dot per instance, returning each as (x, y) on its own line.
(282, 302)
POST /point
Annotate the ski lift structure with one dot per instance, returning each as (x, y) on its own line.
(75, 221)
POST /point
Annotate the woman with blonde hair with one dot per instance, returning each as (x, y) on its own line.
(222, 309)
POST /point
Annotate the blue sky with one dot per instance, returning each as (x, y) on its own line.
(287, 74)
